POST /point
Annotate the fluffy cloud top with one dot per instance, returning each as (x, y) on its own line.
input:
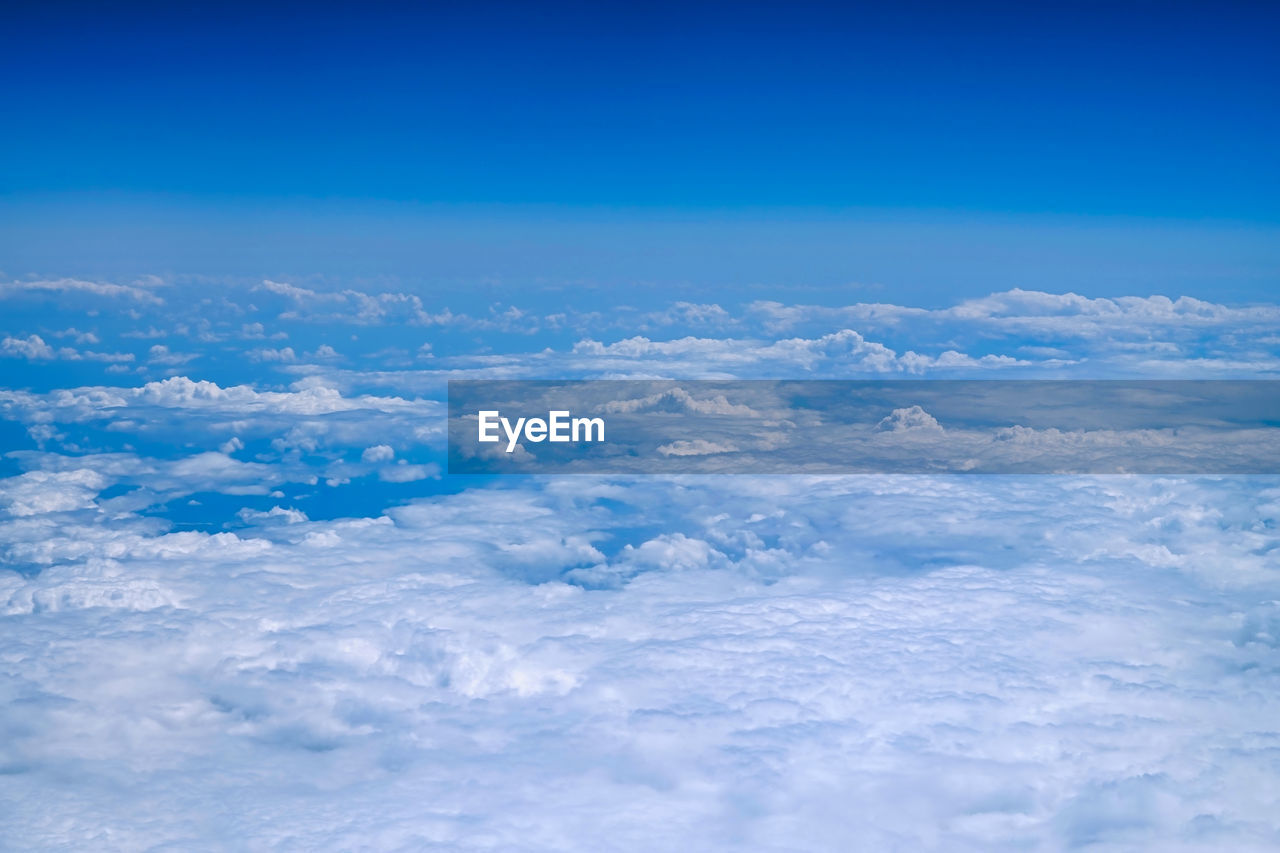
(241, 608)
(932, 651)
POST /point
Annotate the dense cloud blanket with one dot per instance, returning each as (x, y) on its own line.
(241, 606)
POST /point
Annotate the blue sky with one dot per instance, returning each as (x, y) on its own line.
(1153, 111)
(149, 139)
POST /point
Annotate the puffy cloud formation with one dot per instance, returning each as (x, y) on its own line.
(242, 608)
(372, 331)
(956, 663)
(843, 352)
(911, 419)
(378, 453)
(32, 346)
(39, 492)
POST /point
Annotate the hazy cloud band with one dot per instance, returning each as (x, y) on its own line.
(865, 426)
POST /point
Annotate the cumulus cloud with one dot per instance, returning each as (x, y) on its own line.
(1185, 336)
(357, 307)
(244, 613)
(275, 515)
(269, 354)
(1018, 329)
(691, 314)
(840, 353)
(780, 646)
(39, 492)
(162, 355)
(32, 346)
(679, 400)
(912, 418)
(1031, 310)
(378, 453)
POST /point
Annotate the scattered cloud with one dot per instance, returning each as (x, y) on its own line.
(32, 347)
(141, 292)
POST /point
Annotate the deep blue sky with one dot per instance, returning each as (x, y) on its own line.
(132, 114)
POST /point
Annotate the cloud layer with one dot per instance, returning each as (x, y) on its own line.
(820, 663)
(241, 608)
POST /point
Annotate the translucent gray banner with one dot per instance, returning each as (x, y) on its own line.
(864, 426)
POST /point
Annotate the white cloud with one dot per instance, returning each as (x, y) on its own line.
(79, 336)
(360, 308)
(181, 475)
(845, 349)
(32, 347)
(78, 286)
(184, 393)
(679, 400)
(407, 473)
(690, 314)
(879, 662)
(1030, 310)
(841, 353)
(275, 515)
(292, 291)
(1190, 336)
(268, 354)
(378, 453)
(912, 418)
(162, 355)
(38, 492)
(779, 652)
(696, 447)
